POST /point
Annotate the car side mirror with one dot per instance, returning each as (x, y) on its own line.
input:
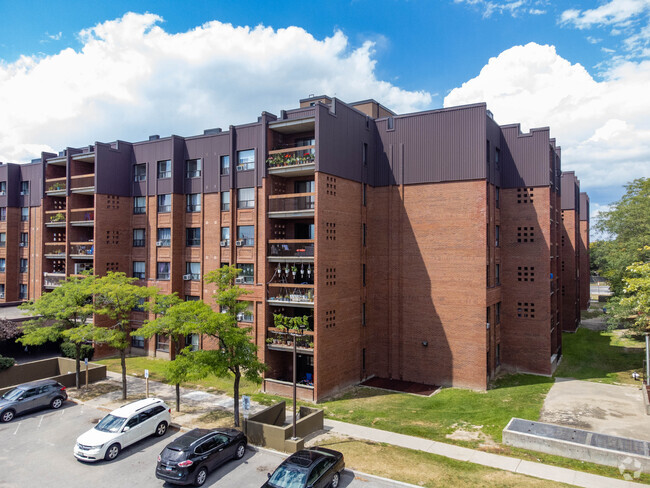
(268, 475)
(21, 398)
(125, 429)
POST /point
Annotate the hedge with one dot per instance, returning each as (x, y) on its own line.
(69, 350)
(6, 363)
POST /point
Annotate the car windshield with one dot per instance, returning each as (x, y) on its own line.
(13, 394)
(288, 477)
(110, 423)
(173, 454)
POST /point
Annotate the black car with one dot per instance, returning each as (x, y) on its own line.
(316, 467)
(188, 459)
(31, 396)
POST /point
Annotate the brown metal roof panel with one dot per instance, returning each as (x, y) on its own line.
(525, 157)
(570, 191)
(584, 207)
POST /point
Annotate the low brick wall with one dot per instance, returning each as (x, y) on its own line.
(267, 428)
(59, 369)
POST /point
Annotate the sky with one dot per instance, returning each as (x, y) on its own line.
(72, 72)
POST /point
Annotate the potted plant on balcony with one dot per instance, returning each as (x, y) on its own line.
(294, 270)
(58, 217)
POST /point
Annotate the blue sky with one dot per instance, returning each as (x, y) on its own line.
(570, 65)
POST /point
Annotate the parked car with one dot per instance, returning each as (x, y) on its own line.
(31, 396)
(189, 458)
(123, 427)
(316, 467)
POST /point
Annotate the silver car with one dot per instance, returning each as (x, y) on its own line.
(31, 396)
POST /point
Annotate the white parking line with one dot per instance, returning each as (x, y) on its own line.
(40, 422)
(17, 427)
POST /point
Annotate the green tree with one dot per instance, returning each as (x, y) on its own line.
(115, 298)
(236, 355)
(633, 307)
(62, 313)
(175, 320)
(626, 226)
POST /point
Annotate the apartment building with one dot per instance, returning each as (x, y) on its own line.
(585, 270)
(422, 247)
(570, 251)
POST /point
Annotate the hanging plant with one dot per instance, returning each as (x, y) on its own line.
(309, 270)
(302, 270)
(286, 270)
(294, 270)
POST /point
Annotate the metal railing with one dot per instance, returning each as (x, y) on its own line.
(82, 249)
(292, 203)
(291, 248)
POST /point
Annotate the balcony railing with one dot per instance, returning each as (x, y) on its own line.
(55, 220)
(52, 280)
(296, 296)
(85, 215)
(82, 183)
(55, 186)
(82, 250)
(283, 341)
(303, 203)
(296, 249)
(282, 158)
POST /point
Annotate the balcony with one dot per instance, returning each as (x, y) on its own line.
(83, 184)
(292, 206)
(296, 161)
(283, 341)
(52, 280)
(55, 219)
(54, 251)
(282, 295)
(82, 217)
(82, 250)
(290, 250)
(56, 187)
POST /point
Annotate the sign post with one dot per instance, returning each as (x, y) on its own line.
(246, 405)
(86, 363)
(146, 382)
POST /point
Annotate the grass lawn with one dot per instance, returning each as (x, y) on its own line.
(425, 469)
(605, 357)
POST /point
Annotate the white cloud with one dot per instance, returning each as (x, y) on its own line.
(616, 12)
(131, 79)
(512, 7)
(602, 126)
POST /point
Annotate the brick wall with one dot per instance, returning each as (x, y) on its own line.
(584, 265)
(569, 249)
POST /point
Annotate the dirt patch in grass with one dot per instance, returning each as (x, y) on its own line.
(93, 390)
(217, 418)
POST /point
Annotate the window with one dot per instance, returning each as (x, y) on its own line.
(139, 270)
(3, 188)
(304, 231)
(193, 236)
(246, 160)
(3, 214)
(192, 340)
(497, 158)
(2, 290)
(194, 270)
(496, 236)
(137, 341)
(22, 292)
(225, 201)
(363, 314)
(247, 315)
(225, 236)
(138, 237)
(192, 298)
(2, 265)
(363, 235)
(192, 168)
(497, 274)
(363, 194)
(140, 306)
(24, 239)
(487, 276)
(365, 154)
(139, 205)
(162, 343)
(164, 237)
(164, 203)
(225, 165)
(3, 239)
(247, 273)
(24, 187)
(164, 169)
(193, 202)
(363, 274)
(498, 355)
(24, 214)
(497, 313)
(245, 235)
(498, 197)
(487, 152)
(162, 271)
(23, 265)
(246, 198)
(140, 172)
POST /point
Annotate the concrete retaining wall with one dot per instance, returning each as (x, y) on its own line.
(578, 444)
(59, 369)
(267, 428)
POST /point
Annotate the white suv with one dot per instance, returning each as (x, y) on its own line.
(123, 427)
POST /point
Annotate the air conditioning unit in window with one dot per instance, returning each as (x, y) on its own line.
(2, 295)
(240, 317)
(22, 193)
(159, 243)
(223, 243)
(187, 277)
(23, 244)
(239, 243)
(3, 193)
(487, 325)
(240, 279)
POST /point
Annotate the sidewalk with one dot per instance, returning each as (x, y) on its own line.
(196, 403)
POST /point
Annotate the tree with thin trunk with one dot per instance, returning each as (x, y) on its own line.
(115, 297)
(63, 313)
(177, 319)
(237, 354)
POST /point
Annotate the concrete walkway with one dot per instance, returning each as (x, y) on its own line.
(196, 403)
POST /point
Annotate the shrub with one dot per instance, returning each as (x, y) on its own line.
(68, 349)
(6, 363)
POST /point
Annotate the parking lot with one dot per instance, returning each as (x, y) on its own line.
(36, 450)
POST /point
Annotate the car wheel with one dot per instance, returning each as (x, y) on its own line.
(161, 429)
(240, 451)
(112, 452)
(8, 415)
(201, 476)
(335, 480)
(56, 402)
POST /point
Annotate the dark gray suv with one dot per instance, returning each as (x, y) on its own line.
(31, 396)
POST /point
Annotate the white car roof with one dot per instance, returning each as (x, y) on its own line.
(133, 407)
